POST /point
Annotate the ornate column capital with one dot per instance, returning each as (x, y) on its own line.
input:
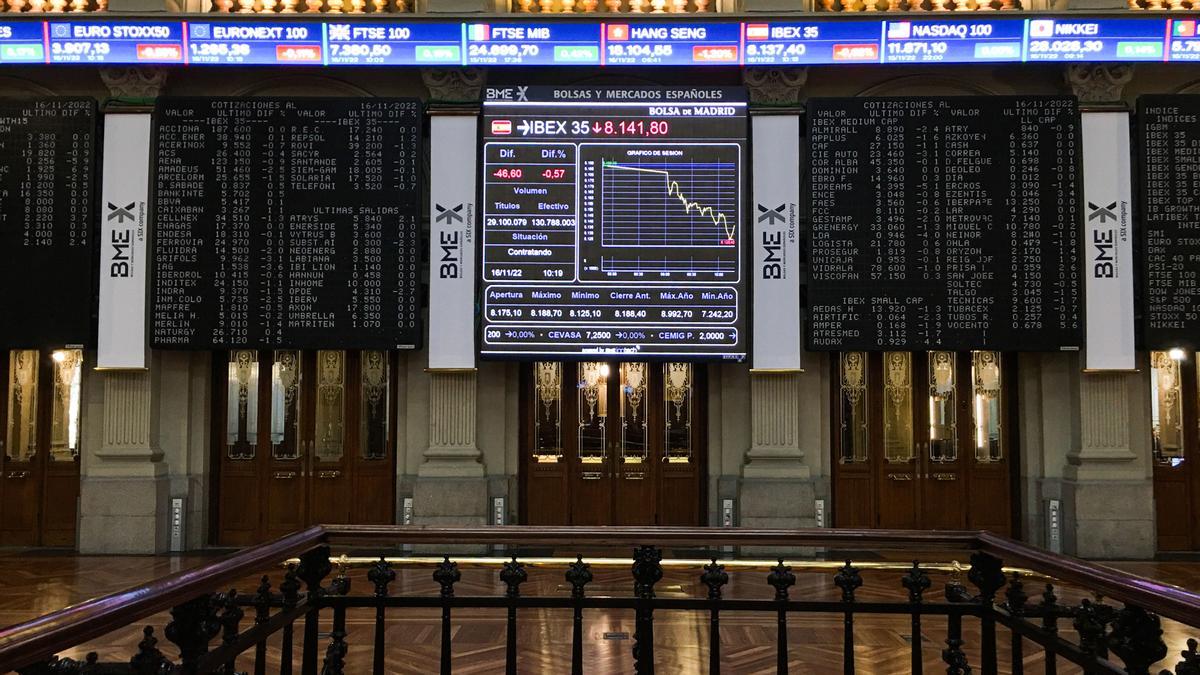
(454, 85)
(1098, 82)
(775, 86)
(134, 81)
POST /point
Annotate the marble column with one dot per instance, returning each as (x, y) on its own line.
(1108, 492)
(451, 488)
(124, 488)
(776, 489)
(1107, 486)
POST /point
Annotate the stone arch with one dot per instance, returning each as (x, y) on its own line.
(928, 85)
(302, 85)
(16, 87)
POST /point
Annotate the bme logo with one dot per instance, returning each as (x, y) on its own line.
(449, 215)
(1104, 239)
(120, 213)
(1102, 213)
(450, 265)
(121, 240)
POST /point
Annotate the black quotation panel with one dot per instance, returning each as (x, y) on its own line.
(286, 223)
(612, 222)
(47, 194)
(1169, 147)
(949, 223)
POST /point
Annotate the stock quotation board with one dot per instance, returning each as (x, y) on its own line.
(298, 40)
(47, 192)
(612, 222)
(1168, 137)
(286, 223)
(944, 223)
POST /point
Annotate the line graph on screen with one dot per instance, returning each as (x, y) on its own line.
(672, 204)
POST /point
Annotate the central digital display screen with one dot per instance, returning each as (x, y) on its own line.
(612, 222)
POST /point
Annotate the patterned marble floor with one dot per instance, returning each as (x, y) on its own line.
(33, 583)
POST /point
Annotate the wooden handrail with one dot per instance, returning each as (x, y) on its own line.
(44, 636)
(27, 642)
(525, 535)
(1163, 599)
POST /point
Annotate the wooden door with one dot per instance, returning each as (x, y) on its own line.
(943, 434)
(373, 455)
(920, 441)
(611, 443)
(310, 442)
(896, 447)
(331, 436)
(1175, 428)
(288, 442)
(635, 459)
(39, 466)
(60, 463)
(590, 447)
(20, 475)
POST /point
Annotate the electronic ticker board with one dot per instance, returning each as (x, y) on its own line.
(612, 222)
(1168, 136)
(290, 223)
(944, 223)
(649, 40)
(47, 222)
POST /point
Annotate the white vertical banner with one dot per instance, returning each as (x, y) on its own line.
(1108, 242)
(776, 242)
(124, 241)
(452, 241)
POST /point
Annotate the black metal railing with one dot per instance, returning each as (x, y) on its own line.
(1113, 627)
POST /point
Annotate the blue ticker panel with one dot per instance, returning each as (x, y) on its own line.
(257, 43)
(22, 42)
(631, 41)
(671, 44)
(113, 42)
(1183, 40)
(955, 41)
(1095, 40)
(811, 42)
(381, 44)
(546, 44)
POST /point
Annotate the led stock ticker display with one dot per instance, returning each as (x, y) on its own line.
(612, 222)
(644, 41)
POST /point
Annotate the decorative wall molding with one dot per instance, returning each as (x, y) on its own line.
(928, 85)
(134, 81)
(454, 85)
(302, 85)
(775, 86)
(1098, 82)
(16, 87)
(1192, 87)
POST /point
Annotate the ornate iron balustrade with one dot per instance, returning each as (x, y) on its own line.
(212, 630)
